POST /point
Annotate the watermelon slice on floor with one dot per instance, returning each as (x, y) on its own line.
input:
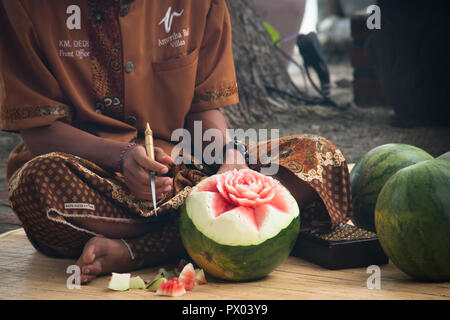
(162, 273)
(157, 280)
(137, 283)
(154, 285)
(119, 281)
(187, 276)
(171, 288)
(200, 277)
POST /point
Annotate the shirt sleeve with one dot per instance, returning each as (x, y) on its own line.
(31, 96)
(216, 85)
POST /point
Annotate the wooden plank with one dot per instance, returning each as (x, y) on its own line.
(8, 220)
(7, 216)
(4, 198)
(27, 274)
(5, 227)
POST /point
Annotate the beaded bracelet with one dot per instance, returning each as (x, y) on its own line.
(123, 152)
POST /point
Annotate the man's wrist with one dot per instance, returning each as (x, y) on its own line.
(233, 156)
(111, 158)
(123, 155)
(233, 159)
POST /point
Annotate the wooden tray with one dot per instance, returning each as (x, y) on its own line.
(349, 247)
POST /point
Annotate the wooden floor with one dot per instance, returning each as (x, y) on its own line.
(8, 220)
(27, 274)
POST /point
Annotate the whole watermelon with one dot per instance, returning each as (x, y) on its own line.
(412, 219)
(371, 173)
(239, 225)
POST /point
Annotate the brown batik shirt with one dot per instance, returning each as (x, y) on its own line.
(108, 66)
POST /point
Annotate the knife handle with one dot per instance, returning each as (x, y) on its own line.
(150, 150)
(149, 143)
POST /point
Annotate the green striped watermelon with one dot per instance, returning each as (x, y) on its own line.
(239, 225)
(412, 218)
(371, 173)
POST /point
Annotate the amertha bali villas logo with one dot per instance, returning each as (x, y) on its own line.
(168, 18)
(176, 39)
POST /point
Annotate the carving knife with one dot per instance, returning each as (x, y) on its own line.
(151, 155)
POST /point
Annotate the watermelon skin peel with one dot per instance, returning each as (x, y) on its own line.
(119, 281)
(235, 238)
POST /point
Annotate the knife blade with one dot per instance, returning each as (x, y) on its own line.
(151, 154)
(152, 185)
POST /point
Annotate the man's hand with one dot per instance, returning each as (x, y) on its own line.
(136, 167)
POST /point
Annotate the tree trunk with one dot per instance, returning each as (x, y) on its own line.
(257, 64)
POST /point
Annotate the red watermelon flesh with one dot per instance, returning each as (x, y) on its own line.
(220, 204)
(171, 288)
(187, 276)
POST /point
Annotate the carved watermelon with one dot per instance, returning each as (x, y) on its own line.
(412, 220)
(371, 173)
(239, 225)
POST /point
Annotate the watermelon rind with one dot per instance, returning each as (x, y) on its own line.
(162, 273)
(412, 218)
(154, 285)
(200, 277)
(137, 283)
(119, 281)
(370, 174)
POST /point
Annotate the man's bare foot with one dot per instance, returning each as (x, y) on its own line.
(102, 256)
